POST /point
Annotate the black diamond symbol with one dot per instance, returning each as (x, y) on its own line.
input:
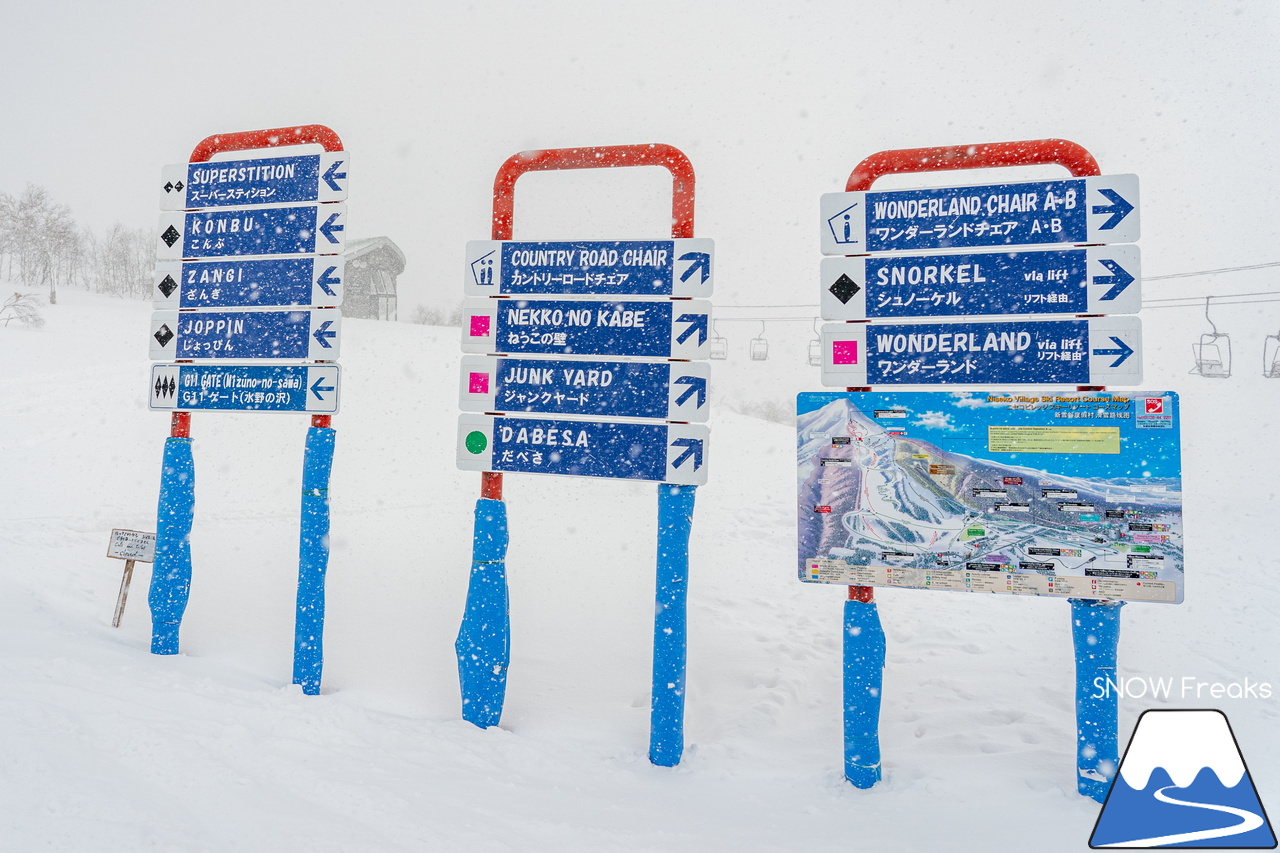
(163, 335)
(168, 187)
(170, 236)
(178, 186)
(844, 288)
(168, 286)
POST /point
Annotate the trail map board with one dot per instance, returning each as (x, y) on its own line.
(1022, 493)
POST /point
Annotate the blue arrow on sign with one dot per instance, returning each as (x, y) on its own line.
(329, 227)
(327, 278)
(698, 323)
(697, 385)
(323, 333)
(332, 175)
(1119, 209)
(318, 389)
(1119, 280)
(1123, 350)
(701, 261)
(692, 450)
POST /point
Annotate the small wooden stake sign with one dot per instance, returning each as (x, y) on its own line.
(131, 546)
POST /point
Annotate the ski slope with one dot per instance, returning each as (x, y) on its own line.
(108, 748)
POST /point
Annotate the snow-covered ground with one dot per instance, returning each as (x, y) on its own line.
(104, 747)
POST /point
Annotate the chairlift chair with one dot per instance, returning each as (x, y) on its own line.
(759, 347)
(718, 346)
(1271, 356)
(1213, 352)
(815, 347)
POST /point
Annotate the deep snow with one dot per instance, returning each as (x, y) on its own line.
(107, 748)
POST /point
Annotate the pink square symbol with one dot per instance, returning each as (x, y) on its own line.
(480, 326)
(478, 383)
(844, 352)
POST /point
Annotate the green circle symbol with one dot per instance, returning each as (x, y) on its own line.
(477, 442)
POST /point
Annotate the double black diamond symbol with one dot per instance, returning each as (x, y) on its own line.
(171, 186)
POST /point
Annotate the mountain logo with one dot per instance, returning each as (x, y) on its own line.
(1183, 783)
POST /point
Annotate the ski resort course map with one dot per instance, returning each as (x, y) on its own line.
(1062, 494)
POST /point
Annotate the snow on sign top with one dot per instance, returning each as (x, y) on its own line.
(1101, 209)
(132, 545)
(269, 180)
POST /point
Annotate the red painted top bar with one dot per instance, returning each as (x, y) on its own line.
(654, 154)
(273, 138)
(1031, 152)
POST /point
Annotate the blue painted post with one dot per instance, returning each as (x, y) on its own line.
(666, 714)
(313, 559)
(171, 572)
(1095, 632)
(484, 639)
(864, 649)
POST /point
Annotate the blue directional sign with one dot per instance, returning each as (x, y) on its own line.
(624, 389)
(660, 329)
(310, 388)
(249, 283)
(668, 453)
(1101, 280)
(1094, 351)
(1100, 209)
(302, 230)
(268, 180)
(681, 268)
(302, 334)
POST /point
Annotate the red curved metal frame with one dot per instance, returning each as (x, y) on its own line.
(274, 138)
(603, 157)
(245, 140)
(1074, 158)
(600, 157)
(1034, 152)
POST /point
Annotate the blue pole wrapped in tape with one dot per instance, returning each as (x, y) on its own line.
(313, 559)
(171, 572)
(666, 714)
(1095, 633)
(864, 649)
(484, 639)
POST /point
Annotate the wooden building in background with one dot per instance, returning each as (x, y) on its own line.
(373, 263)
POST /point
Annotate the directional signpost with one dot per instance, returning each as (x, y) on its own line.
(663, 453)
(255, 282)
(670, 390)
(585, 332)
(597, 268)
(634, 327)
(249, 270)
(1093, 351)
(1098, 280)
(1102, 209)
(298, 334)
(297, 230)
(245, 388)
(1017, 492)
(273, 180)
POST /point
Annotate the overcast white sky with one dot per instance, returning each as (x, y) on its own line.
(773, 102)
